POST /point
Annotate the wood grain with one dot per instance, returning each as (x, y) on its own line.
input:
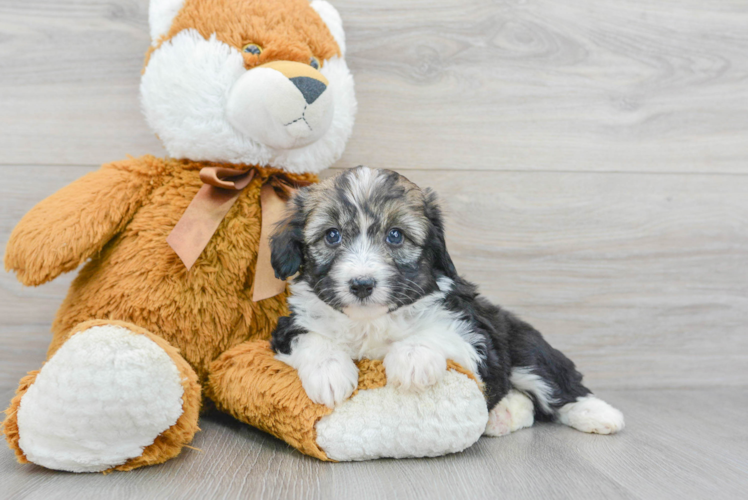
(475, 84)
(69, 76)
(580, 85)
(672, 448)
(641, 279)
(592, 157)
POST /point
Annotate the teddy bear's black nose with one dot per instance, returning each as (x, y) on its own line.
(362, 287)
(310, 88)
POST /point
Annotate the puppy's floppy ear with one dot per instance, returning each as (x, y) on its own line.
(436, 242)
(287, 242)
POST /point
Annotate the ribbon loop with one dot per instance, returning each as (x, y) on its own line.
(226, 178)
(221, 188)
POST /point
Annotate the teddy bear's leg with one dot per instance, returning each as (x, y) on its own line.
(248, 383)
(379, 420)
(113, 396)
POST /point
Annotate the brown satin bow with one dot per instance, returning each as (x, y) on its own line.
(221, 188)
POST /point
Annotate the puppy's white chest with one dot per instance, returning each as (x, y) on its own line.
(425, 323)
(372, 340)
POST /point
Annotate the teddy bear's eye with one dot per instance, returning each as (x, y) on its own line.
(314, 62)
(252, 48)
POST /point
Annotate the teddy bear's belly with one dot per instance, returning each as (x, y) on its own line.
(138, 278)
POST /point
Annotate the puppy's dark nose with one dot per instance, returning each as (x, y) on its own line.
(363, 287)
(310, 88)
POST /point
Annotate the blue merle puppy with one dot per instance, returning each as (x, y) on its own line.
(375, 281)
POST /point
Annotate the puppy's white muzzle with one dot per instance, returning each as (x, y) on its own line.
(282, 104)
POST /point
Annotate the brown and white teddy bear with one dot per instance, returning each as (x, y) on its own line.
(176, 298)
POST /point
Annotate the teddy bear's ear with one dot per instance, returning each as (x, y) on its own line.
(160, 16)
(332, 19)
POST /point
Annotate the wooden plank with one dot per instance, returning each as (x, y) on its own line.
(672, 448)
(545, 85)
(537, 85)
(23, 348)
(659, 434)
(641, 279)
(69, 82)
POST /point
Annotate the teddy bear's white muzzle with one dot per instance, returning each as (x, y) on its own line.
(281, 112)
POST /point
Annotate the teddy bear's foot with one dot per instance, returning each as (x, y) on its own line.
(377, 421)
(514, 412)
(446, 417)
(113, 396)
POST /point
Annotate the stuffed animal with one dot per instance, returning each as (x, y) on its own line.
(176, 298)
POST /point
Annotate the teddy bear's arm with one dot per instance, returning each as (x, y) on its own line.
(65, 229)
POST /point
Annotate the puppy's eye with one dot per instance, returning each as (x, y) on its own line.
(332, 237)
(252, 48)
(314, 62)
(395, 237)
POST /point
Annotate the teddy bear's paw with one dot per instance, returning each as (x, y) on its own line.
(447, 417)
(590, 414)
(331, 382)
(512, 413)
(103, 397)
(414, 367)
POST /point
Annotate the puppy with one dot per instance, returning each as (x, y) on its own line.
(375, 281)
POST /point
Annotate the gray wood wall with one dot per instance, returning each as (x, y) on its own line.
(592, 156)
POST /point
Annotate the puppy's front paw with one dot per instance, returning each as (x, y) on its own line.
(414, 367)
(330, 382)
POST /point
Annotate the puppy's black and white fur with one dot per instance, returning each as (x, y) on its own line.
(375, 281)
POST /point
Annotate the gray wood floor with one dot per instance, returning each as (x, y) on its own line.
(679, 444)
(593, 159)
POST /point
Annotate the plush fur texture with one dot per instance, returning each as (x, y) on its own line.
(118, 218)
(67, 427)
(161, 14)
(333, 22)
(103, 435)
(387, 422)
(198, 83)
(375, 281)
(375, 422)
(134, 294)
(250, 385)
